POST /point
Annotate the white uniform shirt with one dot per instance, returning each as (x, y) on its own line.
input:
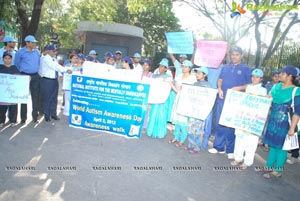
(49, 66)
(138, 67)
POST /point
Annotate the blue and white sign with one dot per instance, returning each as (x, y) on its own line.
(113, 106)
(14, 88)
(180, 42)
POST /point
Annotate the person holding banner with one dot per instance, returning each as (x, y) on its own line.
(246, 142)
(147, 68)
(27, 61)
(127, 63)
(49, 72)
(181, 122)
(198, 127)
(8, 68)
(74, 67)
(234, 74)
(177, 63)
(278, 126)
(157, 124)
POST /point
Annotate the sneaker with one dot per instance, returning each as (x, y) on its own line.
(291, 160)
(1, 125)
(230, 156)
(12, 124)
(214, 151)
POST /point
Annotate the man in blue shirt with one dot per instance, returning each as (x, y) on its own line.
(27, 61)
(235, 75)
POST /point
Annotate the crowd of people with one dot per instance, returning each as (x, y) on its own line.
(240, 146)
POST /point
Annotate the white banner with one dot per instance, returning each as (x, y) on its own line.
(245, 111)
(195, 101)
(14, 88)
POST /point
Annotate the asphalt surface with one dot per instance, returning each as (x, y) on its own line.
(51, 161)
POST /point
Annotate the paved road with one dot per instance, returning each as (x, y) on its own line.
(61, 163)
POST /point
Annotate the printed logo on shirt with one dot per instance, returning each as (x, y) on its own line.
(79, 79)
(239, 72)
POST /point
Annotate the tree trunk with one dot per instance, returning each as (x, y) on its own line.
(29, 27)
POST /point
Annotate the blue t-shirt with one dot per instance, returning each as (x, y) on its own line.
(234, 75)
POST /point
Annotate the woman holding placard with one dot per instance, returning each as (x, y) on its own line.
(279, 127)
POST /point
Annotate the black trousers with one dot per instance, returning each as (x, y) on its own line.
(12, 113)
(35, 93)
(49, 93)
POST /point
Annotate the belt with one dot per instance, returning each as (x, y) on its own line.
(28, 73)
(49, 78)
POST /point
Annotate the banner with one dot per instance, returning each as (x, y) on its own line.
(180, 42)
(195, 101)
(14, 88)
(245, 111)
(160, 89)
(210, 53)
(108, 105)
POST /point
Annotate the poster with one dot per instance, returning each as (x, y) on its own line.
(245, 111)
(196, 101)
(210, 53)
(14, 88)
(180, 42)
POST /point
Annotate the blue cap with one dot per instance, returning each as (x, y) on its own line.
(147, 61)
(237, 49)
(81, 56)
(110, 55)
(93, 52)
(202, 69)
(257, 72)
(118, 52)
(164, 62)
(298, 71)
(50, 47)
(30, 38)
(127, 60)
(183, 56)
(46, 47)
(7, 53)
(8, 39)
(89, 58)
(187, 63)
(276, 72)
(136, 55)
(290, 70)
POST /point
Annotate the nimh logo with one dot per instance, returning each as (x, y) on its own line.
(236, 10)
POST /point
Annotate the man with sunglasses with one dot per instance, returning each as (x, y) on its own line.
(9, 46)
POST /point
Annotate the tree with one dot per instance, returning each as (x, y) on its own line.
(29, 12)
(217, 11)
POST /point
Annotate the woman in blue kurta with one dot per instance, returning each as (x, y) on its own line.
(279, 126)
(157, 122)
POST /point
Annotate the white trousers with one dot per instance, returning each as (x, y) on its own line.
(245, 147)
(67, 95)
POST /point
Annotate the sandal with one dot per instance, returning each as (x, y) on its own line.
(267, 149)
(172, 141)
(193, 152)
(235, 163)
(243, 166)
(179, 144)
(187, 148)
(272, 174)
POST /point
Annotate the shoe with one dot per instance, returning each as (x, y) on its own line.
(35, 120)
(47, 119)
(235, 163)
(272, 174)
(291, 160)
(12, 124)
(55, 118)
(1, 125)
(23, 121)
(230, 156)
(214, 151)
(172, 141)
